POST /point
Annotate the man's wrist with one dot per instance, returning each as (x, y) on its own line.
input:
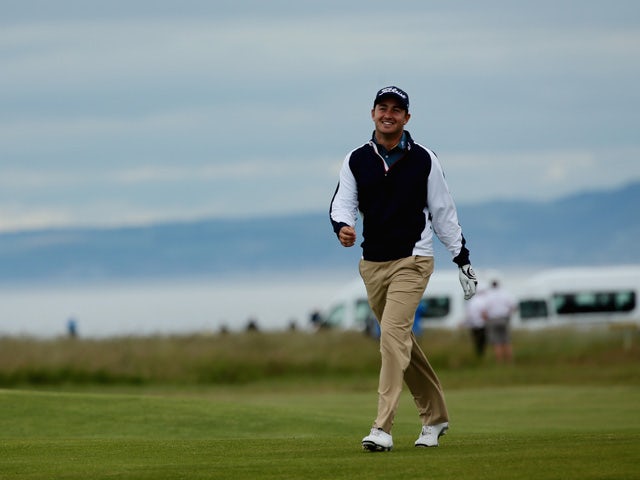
(337, 226)
(462, 258)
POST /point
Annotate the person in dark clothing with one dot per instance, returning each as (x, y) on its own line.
(399, 188)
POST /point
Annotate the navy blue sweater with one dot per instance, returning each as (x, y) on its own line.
(401, 205)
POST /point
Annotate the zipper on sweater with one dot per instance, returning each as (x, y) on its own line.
(384, 164)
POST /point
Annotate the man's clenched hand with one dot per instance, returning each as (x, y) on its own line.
(347, 236)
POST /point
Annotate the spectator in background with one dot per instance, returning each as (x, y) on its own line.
(316, 319)
(252, 325)
(72, 327)
(475, 322)
(498, 308)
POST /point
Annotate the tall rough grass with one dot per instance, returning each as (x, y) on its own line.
(557, 356)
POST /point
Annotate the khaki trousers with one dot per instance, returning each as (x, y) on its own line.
(394, 290)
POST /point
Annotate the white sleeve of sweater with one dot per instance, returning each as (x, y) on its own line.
(443, 209)
(344, 206)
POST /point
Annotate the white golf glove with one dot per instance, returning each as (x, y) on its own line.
(468, 281)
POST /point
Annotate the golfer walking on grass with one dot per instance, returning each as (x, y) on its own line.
(400, 190)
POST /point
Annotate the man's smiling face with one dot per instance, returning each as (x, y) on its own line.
(389, 117)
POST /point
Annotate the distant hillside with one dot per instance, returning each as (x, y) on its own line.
(586, 229)
(591, 228)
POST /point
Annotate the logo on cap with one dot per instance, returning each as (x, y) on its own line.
(393, 91)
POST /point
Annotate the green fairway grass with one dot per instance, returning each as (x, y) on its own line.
(293, 405)
(520, 432)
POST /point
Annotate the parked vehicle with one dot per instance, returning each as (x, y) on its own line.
(442, 305)
(580, 296)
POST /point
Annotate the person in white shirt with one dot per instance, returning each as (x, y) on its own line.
(499, 306)
(474, 321)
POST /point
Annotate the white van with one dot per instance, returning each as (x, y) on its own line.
(442, 305)
(579, 296)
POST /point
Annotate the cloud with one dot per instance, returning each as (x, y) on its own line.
(16, 134)
(111, 112)
(98, 54)
(538, 175)
(20, 217)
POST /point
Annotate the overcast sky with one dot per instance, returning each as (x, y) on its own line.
(129, 112)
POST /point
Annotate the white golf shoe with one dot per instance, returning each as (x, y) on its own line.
(377, 441)
(430, 434)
